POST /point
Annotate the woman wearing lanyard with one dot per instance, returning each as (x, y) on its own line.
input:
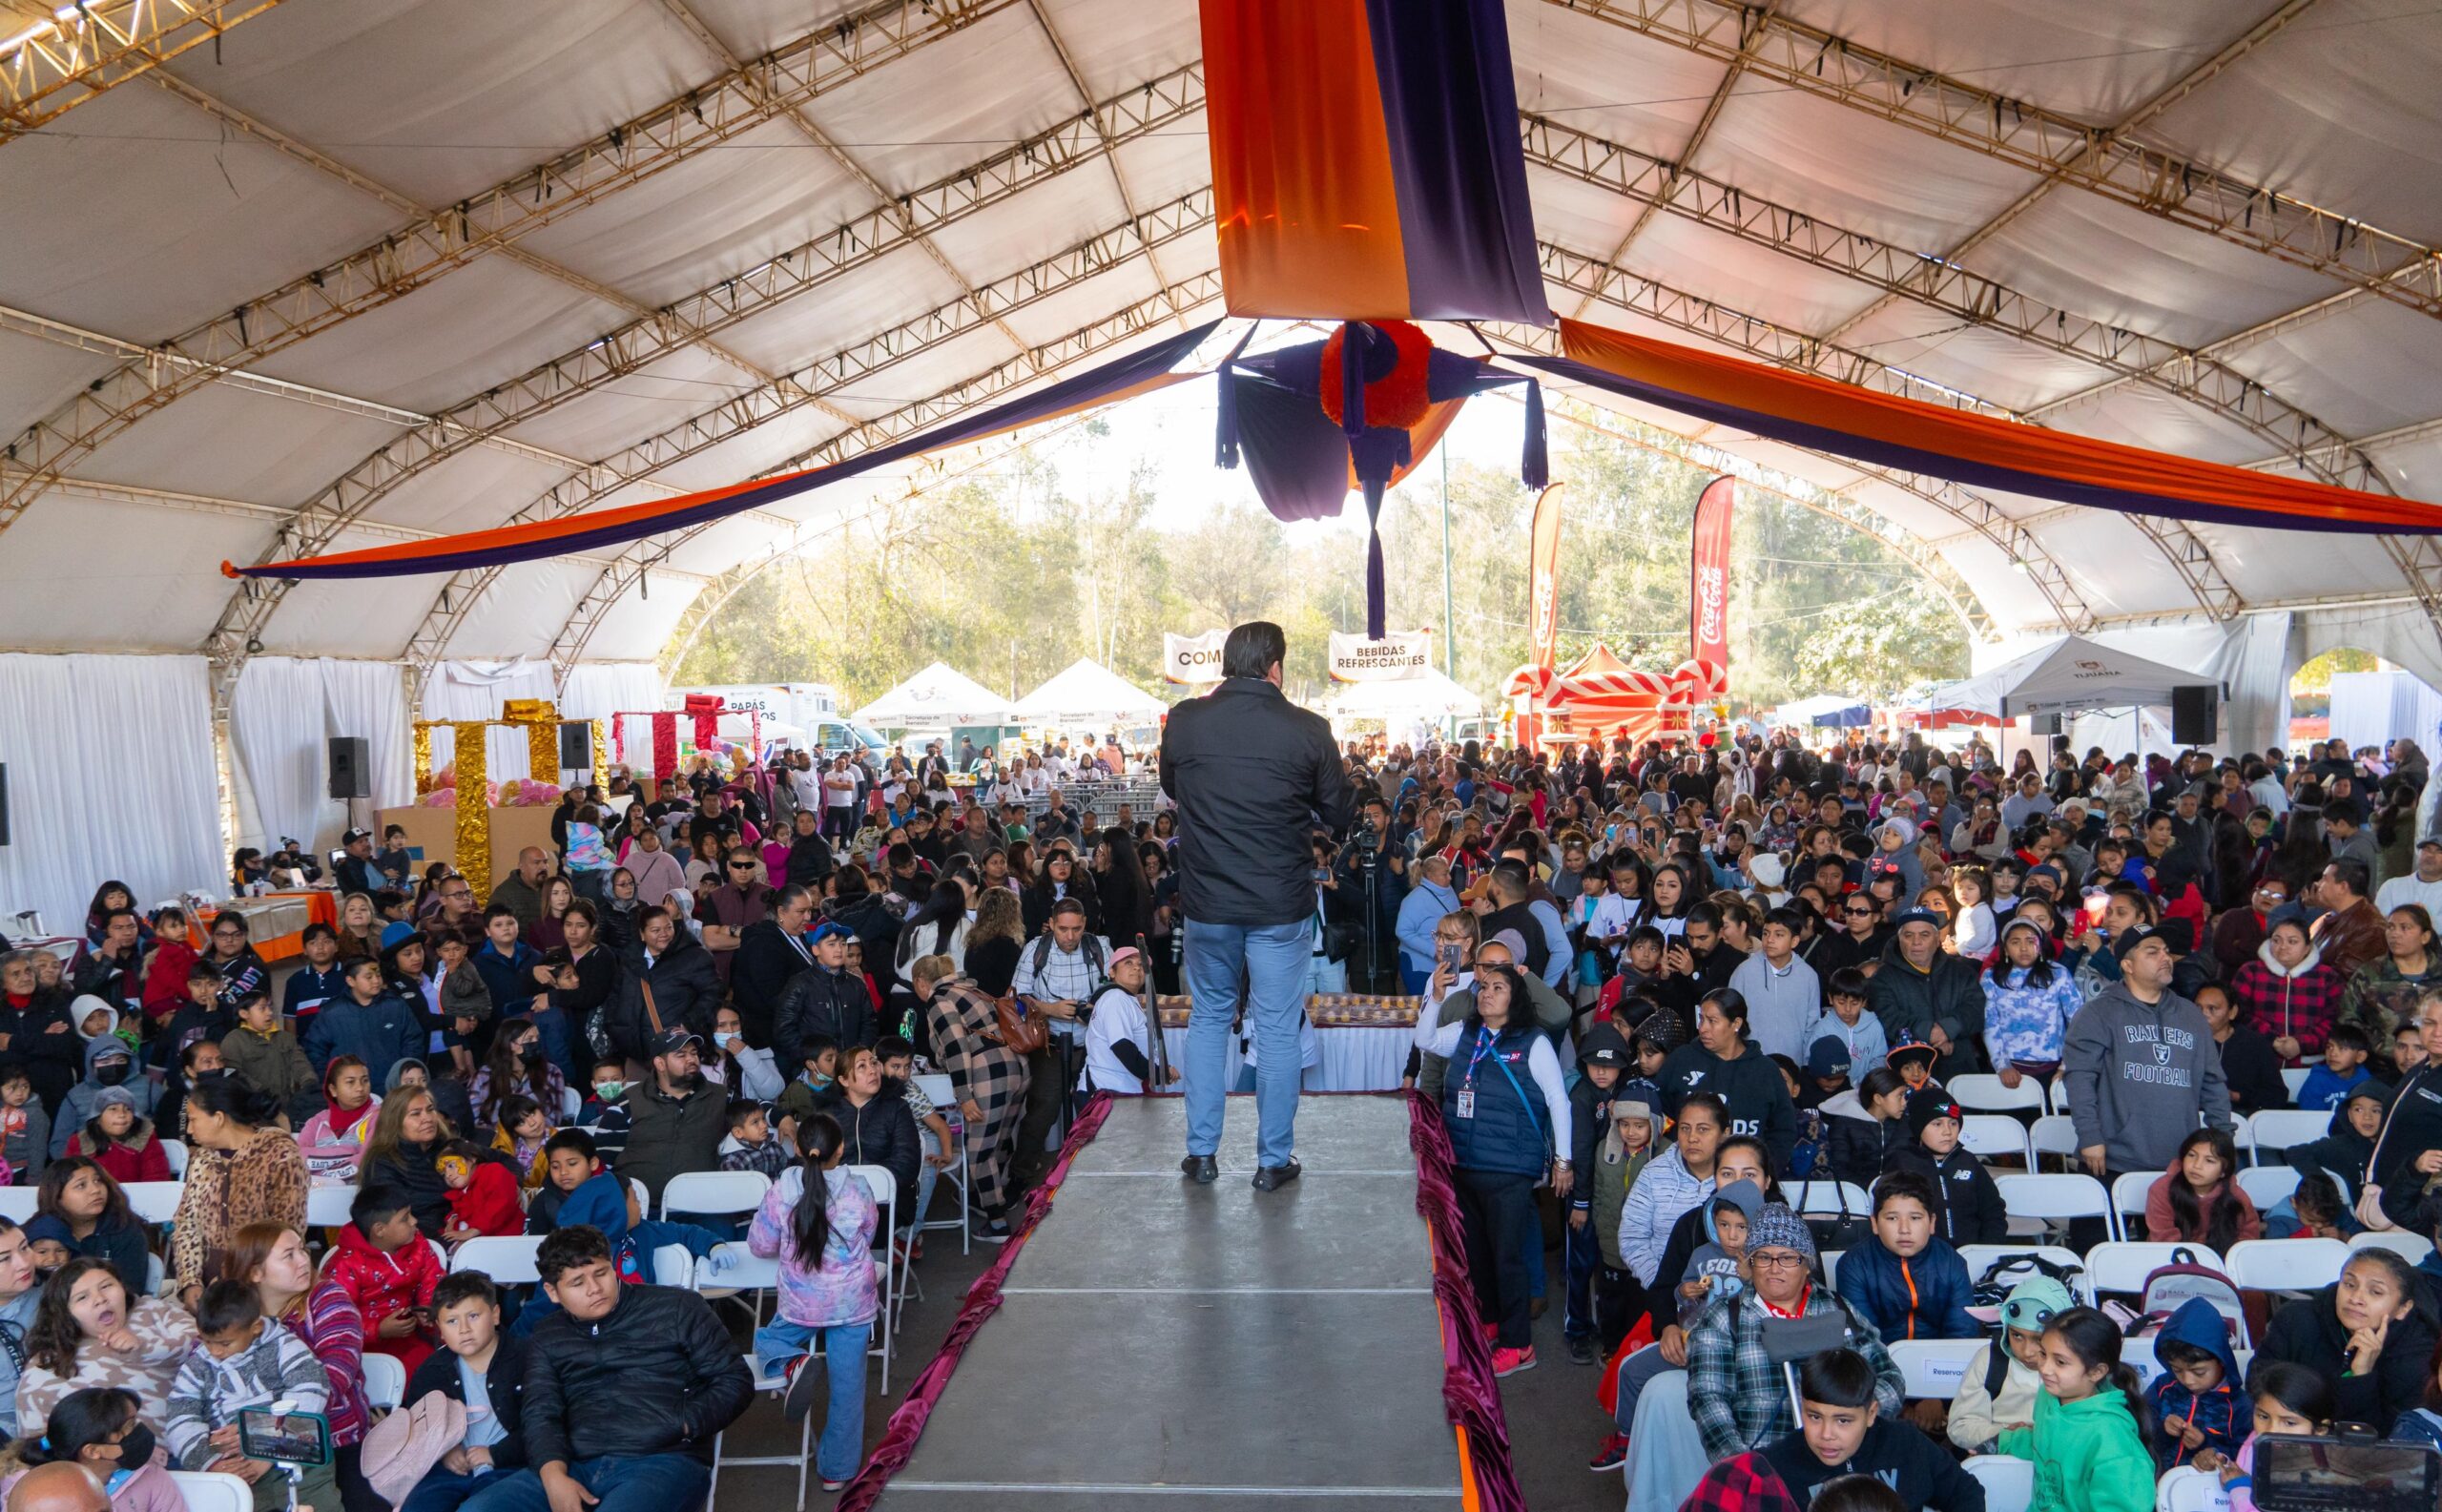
(1503, 1143)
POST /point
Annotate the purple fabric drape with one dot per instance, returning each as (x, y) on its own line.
(1468, 1388)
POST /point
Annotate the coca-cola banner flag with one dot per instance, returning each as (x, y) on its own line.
(1709, 599)
(1400, 654)
(1193, 660)
(1544, 577)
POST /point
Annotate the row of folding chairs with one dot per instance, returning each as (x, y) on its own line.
(1983, 1092)
(2261, 1138)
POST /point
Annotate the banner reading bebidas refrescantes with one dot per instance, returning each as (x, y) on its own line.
(1193, 660)
(1400, 654)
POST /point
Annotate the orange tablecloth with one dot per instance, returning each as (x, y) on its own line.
(321, 908)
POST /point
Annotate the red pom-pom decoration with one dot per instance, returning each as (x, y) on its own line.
(1398, 399)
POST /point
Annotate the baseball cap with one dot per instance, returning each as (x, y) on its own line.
(2434, 841)
(1125, 953)
(2130, 939)
(669, 1042)
(1827, 1056)
(1917, 916)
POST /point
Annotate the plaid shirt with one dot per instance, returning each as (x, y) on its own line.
(1740, 1484)
(2303, 1006)
(1738, 1396)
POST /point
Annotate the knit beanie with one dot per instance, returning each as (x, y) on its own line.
(1777, 1228)
(1923, 1109)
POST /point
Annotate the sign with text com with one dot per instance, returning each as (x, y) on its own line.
(1400, 654)
(1193, 660)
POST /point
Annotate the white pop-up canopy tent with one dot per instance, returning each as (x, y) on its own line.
(1088, 693)
(941, 697)
(2070, 675)
(1429, 696)
(1827, 709)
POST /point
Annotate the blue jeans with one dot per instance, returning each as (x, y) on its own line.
(623, 1483)
(925, 1177)
(1584, 1257)
(842, 1448)
(441, 1491)
(1270, 965)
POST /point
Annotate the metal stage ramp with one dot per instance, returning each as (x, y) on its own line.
(1164, 1344)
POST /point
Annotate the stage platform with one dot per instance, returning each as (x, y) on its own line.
(1212, 1347)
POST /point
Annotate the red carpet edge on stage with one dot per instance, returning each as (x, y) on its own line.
(1468, 1388)
(898, 1444)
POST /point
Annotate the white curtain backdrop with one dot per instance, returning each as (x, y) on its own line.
(111, 775)
(2368, 708)
(475, 689)
(2399, 634)
(276, 738)
(369, 699)
(599, 690)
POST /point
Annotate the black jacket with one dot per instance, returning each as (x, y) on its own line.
(2307, 1332)
(1751, 1086)
(819, 1002)
(53, 1061)
(874, 922)
(1896, 1454)
(2411, 1126)
(1035, 904)
(1911, 1003)
(415, 1176)
(2343, 1151)
(504, 1382)
(2253, 1071)
(881, 1133)
(759, 974)
(1252, 775)
(1859, 1149)
(810, 861)
(686, 992)
(1970, 1211)
(656, 1375)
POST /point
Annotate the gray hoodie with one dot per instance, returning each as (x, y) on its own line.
(76, 1109)
(2138, 1076)
(16, 1316)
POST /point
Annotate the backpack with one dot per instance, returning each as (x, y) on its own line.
(2003, 1276)
(2167, 1286)
(1090, 947)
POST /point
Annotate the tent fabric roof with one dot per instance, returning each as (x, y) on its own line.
(939, 695)
(360, 274)
(2071, 675)
(1087, 690)
(1431, 693)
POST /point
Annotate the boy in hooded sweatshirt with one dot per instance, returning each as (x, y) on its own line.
(2347, 1148)
(2199, 1401)
(1718, 1267)
(107, 1063)
(1904, 1280)
(1999, 1391)
(1967, 1202)
(1602, 1059)
(1622, 1156)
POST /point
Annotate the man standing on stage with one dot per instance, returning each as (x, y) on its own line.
(1254, 775)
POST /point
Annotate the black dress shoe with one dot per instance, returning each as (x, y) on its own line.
(1272, 1178)
(1200, 1169)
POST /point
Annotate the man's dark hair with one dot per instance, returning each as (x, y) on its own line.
(1069, 905)
(902, 855)
(226, 1307)
(576, 1139)
(464, 1286)
(372, 1204)
(1846, 982)
(2352, 874)
(1512, 877)
(1836, 1377)
(1253, 649)
(313, 932)
(1707, 913)
(2351, 1037)
(1906, 1184)
(892, 1047)
(566, 1249)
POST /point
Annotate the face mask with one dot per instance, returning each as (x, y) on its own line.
(532, 1054)
(609, 1092)
(134, 1451)
(110, 1075)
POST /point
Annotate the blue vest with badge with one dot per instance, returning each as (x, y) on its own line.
(1507, 1129)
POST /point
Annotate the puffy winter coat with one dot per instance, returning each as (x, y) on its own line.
(1923, 1296)
(1858, 1145)
(686, 993)
(381, 1284)
(2302, 1001)
(881, 1133)
(821, 1001)
(659, 1354)
(1949, 994)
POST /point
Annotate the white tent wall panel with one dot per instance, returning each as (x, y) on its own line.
(1601, 80)
(2338, 115)
(476, 689)
(2368, 708)
(226, 443)
(442, 100)
(452, 339)
(638, 625)
(524, 609)
(1752, 279)
(842, 311)
(111, 775)
(1024, 229)
(33, 373)
(1992, 366)
(2396, 633)
(1170, 162)
(2371, 365)
(769, 189)
(1118, 42)
(90, 574)
(2109, 262)
(2095, 60)
(653, 398)
(1860, 174)
(283, 714)
(195, 219)
(996, 81)
(599, 690)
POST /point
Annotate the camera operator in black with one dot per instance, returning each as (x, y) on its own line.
(1373, 877)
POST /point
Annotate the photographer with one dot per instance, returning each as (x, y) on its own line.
(1118, 1040)
(1374, 860)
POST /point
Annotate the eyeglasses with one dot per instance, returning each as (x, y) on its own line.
(1782, 1260)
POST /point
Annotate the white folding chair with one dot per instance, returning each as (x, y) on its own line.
(644, 1198)
(937, 1087)
(2286, 1265)
(2295, 1077)
(2184, 1488)
(154, 1201)
(2053, 1134)
(1824, 1199)
(2054, 1198)
(17, 1204)
(885, 1186)
(1990, 1135)
(775, 1384)
(212, 1491)
(2414, 1248)
(386, 1381)
(327, 1206)
(509, 1259)
(715, 1193)
(1831, 1259)
(571, 1105)
(2280, 1129)
(2060, 1092)
(1981, 1092)
(1979, 1258)
(2008, 1483)
(175, 1151)
(674, 1265)
(1934, 1368)
(2123, 1265)
(2128, 1194)
(2267, 1186)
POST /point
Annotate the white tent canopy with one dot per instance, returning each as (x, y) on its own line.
(1088, 693)
(939, 696)
(1830, 708)
(1431, 695)
(2071, 675)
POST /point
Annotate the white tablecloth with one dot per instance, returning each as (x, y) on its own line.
(1354, 1060)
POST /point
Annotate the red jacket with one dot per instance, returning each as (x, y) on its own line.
(139, 1157)
(165, 977)
(488, 1203)
(2302, 1003)
(381, 1285)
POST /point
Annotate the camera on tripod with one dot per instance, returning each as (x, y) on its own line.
(1368, 844)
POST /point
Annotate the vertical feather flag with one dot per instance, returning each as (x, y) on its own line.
(1708, 594)
(1366, 162)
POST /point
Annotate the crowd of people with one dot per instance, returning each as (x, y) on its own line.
(1657, 985)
